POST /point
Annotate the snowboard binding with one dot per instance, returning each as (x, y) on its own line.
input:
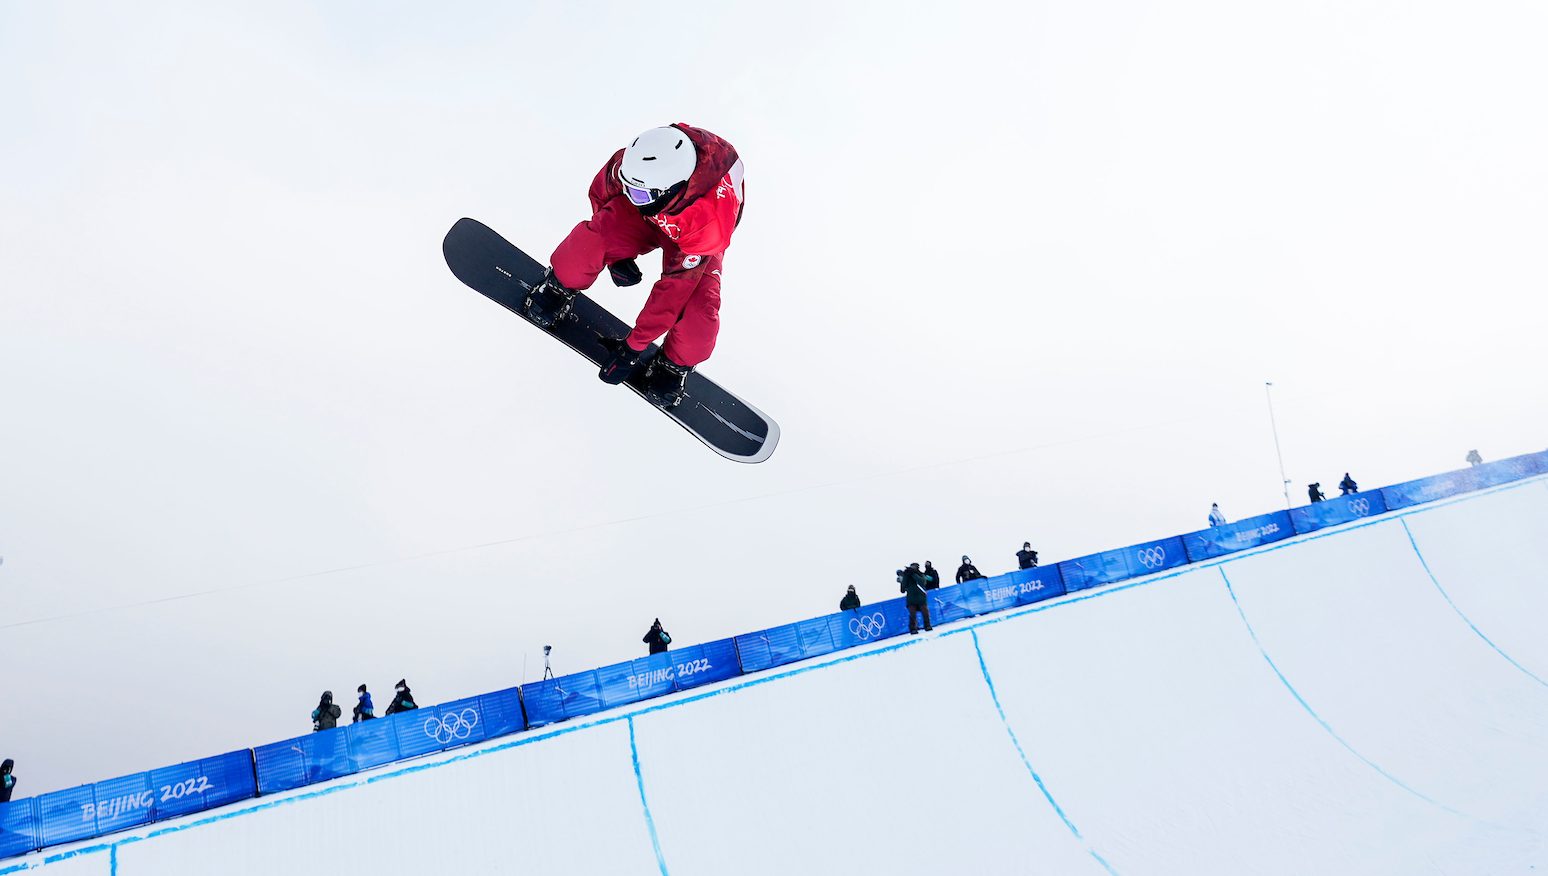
(550, 302)
(665, 381)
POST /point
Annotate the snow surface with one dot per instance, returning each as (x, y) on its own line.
(1369, 699)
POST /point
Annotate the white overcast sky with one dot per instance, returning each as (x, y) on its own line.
(1009, 271)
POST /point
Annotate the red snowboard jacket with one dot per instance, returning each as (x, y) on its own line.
(701, 219)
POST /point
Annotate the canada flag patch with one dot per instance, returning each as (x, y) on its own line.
(692, 261)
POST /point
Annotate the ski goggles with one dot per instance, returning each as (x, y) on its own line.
(642, 197)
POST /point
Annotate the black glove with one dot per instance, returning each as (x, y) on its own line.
(617, 367)
(625, 273)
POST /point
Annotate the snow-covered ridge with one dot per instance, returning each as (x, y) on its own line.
(1366, 699)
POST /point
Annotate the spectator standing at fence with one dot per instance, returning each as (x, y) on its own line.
(326, 715)
(967, 571)
(932, 576)
(1473, 458)
(1347, 485)
(851, 600)
(402, 700)
(1215, 517)
(364, 710)
(658, 639)
(911, 585)
(1314, 492)
(1026, 558)
(7, 781)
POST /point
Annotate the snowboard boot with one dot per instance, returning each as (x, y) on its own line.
(550, 302)
(666, 381)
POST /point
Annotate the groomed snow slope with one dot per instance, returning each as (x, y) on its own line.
(1369, 699)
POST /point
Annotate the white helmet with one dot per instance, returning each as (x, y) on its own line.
(656, 161)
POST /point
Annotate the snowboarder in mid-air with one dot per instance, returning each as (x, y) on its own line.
(677, 189)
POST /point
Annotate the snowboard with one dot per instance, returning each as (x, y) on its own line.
(493, 266)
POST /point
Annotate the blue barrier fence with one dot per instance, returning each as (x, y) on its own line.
(1217, 541)
(1332, 512)
(817, 636)
(1022, 587)
(583, 693)
(126, 801)
(19, 829)
(29, 824)
(329, 754)
(1465, 480)
(1136, 560)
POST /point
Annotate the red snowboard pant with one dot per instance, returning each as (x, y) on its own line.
(684, 304)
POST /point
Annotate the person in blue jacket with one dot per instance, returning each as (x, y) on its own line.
(1216, 518)
(1347, 485)
(364, 710)
(7, 781)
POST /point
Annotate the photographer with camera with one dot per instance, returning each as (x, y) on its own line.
(911, 583)
(402, 700)
(658, 639)
(326, 715)
(7, 781)
(851, 600)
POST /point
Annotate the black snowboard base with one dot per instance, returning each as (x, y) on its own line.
(494, 267)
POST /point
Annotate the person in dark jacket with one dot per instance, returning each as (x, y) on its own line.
(7, 781)
(967, 571)
(851, 600)
(326, 715)
(1473, 458)
(403, 700)
(1026, 558)
(658, 639)
(911, 585)
(364, 710)
(932, 576)
(1347, 485)
(1314, 492)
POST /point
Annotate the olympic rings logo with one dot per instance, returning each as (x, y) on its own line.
(868, 627)
(1152, 557)
(452, 725)
(1360, 507)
